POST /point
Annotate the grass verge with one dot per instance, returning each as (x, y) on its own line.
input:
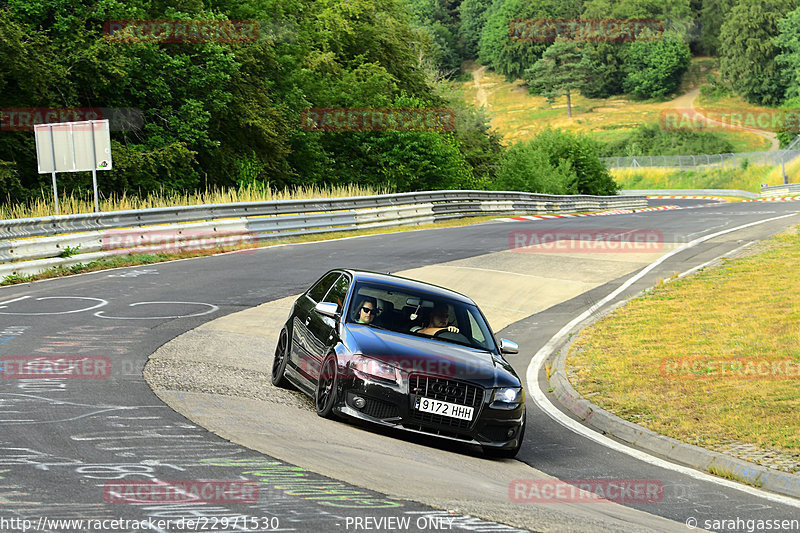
(749, 179)
(707, 359)
(727, 474)
(146, 259)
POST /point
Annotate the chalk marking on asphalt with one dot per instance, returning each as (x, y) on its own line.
(3, 306)
(544, 403)
(212, 308)
(101, 304)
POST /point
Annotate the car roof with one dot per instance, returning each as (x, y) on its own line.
(406, 283)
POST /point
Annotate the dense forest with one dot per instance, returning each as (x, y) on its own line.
(227, 112)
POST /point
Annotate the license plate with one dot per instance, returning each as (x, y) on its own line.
(436, 407)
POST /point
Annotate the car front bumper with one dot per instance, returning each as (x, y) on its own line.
(392, 405)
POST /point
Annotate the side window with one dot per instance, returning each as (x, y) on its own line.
(317, 292)
(480, 333)
(338, 292)
(476, 330)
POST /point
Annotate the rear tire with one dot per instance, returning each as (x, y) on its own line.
(327, 384)
(279, 363)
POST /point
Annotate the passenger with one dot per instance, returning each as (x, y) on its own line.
(437, 322)
(366, 311)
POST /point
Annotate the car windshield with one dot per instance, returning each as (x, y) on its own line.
(420, 314)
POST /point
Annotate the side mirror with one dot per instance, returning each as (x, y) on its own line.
(507, 347)
(327, 309)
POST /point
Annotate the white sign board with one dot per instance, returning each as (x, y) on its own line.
(73, 146)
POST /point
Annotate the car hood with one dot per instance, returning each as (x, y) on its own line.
(425, 356)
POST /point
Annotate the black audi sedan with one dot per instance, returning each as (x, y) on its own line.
(404, 354)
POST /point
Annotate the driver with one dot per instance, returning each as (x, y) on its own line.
(438, 321)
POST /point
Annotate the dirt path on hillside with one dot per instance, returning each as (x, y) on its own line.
(482, 97)
(685, 103)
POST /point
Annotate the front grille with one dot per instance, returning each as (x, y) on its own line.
(445, 390)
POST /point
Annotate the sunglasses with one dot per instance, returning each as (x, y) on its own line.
(369, 310)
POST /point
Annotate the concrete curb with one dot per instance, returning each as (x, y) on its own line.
(641, 437)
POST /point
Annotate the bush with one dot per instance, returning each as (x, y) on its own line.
(555, 162)
(650, 139)
(524, 168)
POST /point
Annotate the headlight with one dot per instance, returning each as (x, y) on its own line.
(507, 395)
(374, 368)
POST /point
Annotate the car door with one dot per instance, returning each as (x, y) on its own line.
(301, 357)
(322, 329)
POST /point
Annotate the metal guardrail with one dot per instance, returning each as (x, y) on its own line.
(781, 190)
(32, 245)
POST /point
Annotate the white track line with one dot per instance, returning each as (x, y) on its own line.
(544, 403)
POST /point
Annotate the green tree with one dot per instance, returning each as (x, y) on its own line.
(607, 63)
(654, 68)
(563, 68)
(788, 41)
(218, 114)
(712, 14)
(437, 21)
(472, 19)
(507, 55)
(480, 146)
(747, 50)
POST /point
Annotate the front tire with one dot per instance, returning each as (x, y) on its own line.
(327, 384)
(279, 363)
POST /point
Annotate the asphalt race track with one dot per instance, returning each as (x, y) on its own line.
(71, 446)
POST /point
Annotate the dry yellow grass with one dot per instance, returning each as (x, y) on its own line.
(518, 116)
(660, 360)
(749, 179)
(73, 204)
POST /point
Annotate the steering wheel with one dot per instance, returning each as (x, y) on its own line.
(451, 335)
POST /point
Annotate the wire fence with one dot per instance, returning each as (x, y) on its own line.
(703, 162)
(708, 161)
